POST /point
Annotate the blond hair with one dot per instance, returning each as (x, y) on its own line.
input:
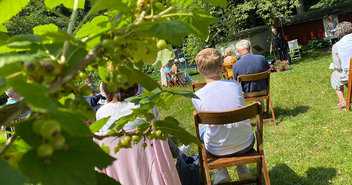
(209, 61)
(229, 51)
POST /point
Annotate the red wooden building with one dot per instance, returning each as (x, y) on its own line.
(310, 25)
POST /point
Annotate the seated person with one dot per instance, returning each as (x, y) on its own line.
(174, 69)
(222, 140)
(94, 98)
(229, 60)
(250, 64)
(136, 165)
(341, 54)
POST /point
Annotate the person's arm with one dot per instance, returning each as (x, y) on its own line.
(335, 58)
(234, 72)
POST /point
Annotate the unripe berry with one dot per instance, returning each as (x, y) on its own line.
(45, 150)
(161, 44)
(50, 128)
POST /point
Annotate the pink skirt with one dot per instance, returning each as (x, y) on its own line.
(152, 165)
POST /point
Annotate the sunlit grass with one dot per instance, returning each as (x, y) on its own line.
(311, 144)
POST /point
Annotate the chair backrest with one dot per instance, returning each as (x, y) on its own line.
(257, 76)
(231, 116)
(198, 85)
(293, 44)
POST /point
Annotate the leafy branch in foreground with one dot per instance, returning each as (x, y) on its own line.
(47, 68)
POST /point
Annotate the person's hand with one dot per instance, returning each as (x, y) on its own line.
(279, 49)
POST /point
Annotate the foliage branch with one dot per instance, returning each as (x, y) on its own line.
(53, 145)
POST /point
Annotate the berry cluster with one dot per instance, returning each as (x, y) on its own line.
(50, 132)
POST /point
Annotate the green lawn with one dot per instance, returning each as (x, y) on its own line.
(310, 145)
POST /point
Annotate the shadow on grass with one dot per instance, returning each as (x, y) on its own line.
(280, 113)
(283, 174)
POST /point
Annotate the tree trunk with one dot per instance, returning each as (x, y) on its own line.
(300, 9)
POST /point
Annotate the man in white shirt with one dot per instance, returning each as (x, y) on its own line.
(220, 95)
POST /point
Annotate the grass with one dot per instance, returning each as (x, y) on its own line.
(311, 144)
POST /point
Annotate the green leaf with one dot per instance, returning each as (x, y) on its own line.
(26, 37)
(9, 59)
(67, 3)
(145, 80)
(76, 56)
(165, 55)
(200, 22)
(171, 126)
(9, 68)
(103, 73)
(41, 29)
(98, 5)
(98, 25)
(184, 93)
(72, 123)
(34, 94)
(9, 175)
(25, 131)
(2, 82)
(105, 148)
(172, 31)
(103, 179)
(9, 8)
(59, 37)
(96, 126)
(221, 3)
(120, 123)
(70, 167)
(134, 99)
(142, 127)
(3, 28)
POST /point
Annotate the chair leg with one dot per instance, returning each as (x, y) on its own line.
(272, 110)
(202, 170)
(207, 174)
(267, 108)
(259, 173)
(348, 103)
(265, 171)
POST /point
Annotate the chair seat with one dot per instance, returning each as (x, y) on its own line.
(223, 162)
(255, 94)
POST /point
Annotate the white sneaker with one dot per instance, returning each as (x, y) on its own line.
(222, 176)
(185, 149)
(243, 172)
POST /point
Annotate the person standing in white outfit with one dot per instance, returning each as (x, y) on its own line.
(341, 55)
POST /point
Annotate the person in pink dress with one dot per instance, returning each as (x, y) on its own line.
(152, 165)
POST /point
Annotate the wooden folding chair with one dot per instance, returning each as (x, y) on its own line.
(265, 95)
(349, 87)
(209, 162)
(169, 80)
(176, 80)
(198, 85)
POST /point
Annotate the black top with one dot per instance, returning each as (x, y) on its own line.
(251, 64)
(279, 42)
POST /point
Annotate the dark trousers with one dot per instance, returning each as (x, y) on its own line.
(282, 54)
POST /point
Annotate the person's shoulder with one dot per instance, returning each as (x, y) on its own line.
(225, 83)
